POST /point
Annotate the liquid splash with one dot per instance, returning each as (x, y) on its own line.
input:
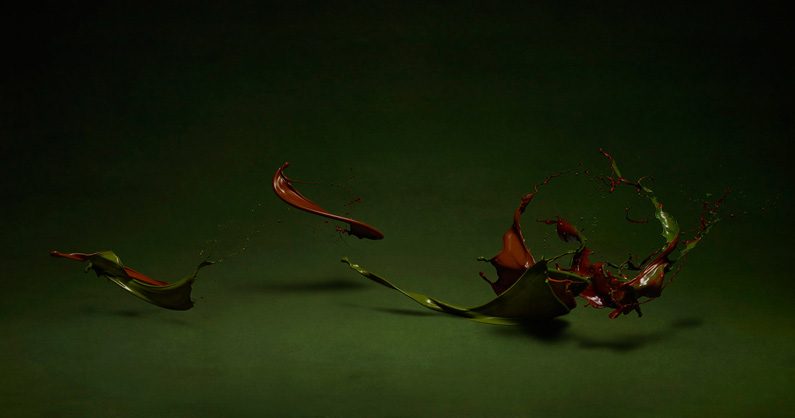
(528, 290)
(176, 296)
(284, 188)
(514, 258)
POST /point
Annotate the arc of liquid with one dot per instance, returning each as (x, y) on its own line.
(532, 298)
(283, 187)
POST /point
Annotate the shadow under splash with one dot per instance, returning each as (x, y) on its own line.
(135, 314)
(554, 331)
(406, 312)
(394, 311)
(302, 286)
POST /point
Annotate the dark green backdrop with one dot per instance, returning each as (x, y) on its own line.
(150, 129)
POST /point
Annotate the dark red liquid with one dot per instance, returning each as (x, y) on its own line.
(514, 258)
(130, 272)
(606, 289)
(285, 190)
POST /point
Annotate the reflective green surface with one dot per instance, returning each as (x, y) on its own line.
(143, 128)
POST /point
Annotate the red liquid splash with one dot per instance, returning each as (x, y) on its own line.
(514, 258)
(130, 272)
(285, 190)
(606, 289)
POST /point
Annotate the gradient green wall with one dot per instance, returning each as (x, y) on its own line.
(149, 129)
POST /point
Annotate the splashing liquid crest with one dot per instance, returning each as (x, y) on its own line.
(529, 290)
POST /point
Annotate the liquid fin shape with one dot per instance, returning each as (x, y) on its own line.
(174, 296)
(532, 298)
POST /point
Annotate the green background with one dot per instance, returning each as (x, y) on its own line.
(151, 129)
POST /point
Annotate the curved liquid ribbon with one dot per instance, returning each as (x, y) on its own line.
(174, 296)
(531, 298)
(285, 190)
